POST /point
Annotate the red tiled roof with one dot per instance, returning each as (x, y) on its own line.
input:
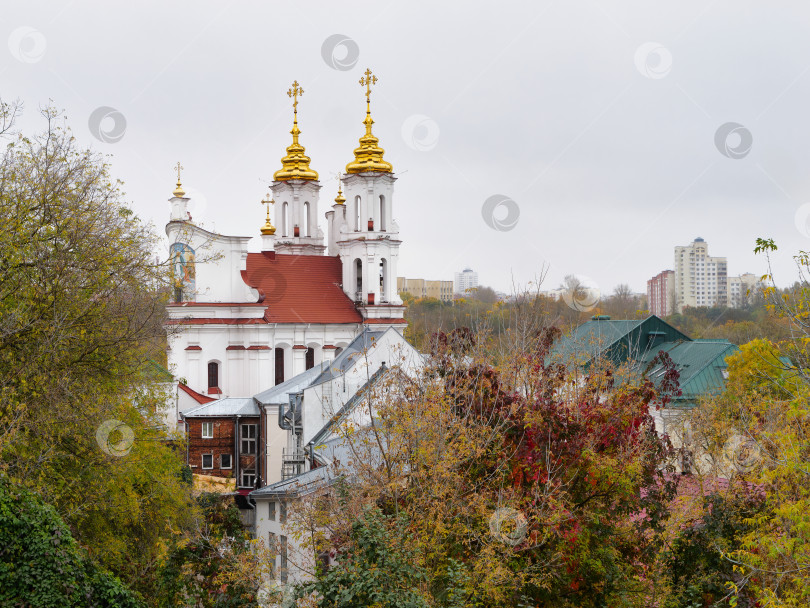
(381, 321)
(300, 288)
(194, 394)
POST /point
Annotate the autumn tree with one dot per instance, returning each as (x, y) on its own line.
(81, 318)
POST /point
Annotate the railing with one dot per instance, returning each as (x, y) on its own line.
(292, 462)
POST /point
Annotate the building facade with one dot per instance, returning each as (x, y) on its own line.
(742, 289)
(700, 279)
(465, 280)
(422, 288)
(661, 294)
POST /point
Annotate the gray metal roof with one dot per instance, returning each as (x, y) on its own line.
(279, 394)
(227, 406)
(350, 355)
(298, 485)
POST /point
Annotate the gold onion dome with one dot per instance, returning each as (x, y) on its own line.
(340, 199)
(295, 165)
(268, 228)
(369, 156)
(178, 190)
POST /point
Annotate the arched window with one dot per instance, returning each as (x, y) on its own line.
(383, 219)
(310, 358)
(213, 375)
(357, 219)
(358, 277)
(284, 220)
(384, 280)
(306, 220)
(279, 365)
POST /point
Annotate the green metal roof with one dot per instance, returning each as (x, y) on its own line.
(616, 340)
(701, 364)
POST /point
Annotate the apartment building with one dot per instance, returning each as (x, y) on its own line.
(423, 288)
(700, 279)
(465, 281)
(661, 293)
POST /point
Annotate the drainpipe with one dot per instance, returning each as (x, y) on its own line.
(311, 446)
(237, 463)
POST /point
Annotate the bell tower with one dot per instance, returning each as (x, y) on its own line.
(295, 191)
(368, 241)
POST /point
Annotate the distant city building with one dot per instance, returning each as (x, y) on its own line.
(422, 288)
(700, 279)
(661, 293)
(465, 281)
(742, 289)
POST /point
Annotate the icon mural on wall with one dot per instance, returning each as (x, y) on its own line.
(182, 257)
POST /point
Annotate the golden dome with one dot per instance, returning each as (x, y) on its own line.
(340, 199)
(268, 228)
(369, 156)
(295, 165)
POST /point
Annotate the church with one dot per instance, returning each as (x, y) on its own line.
(244, 322)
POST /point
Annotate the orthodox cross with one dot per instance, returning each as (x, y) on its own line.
(367, 81)
(178, 168)
(268, 201)
(294, 92)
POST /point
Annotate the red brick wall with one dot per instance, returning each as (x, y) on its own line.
(223, 442)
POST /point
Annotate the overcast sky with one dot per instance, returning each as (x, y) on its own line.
(598, 119)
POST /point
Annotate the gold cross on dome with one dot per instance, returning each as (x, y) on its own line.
(178, 168)
(367, 81)
(294, 92)
(268, 201)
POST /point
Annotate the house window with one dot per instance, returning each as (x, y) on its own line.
(273, 553)
(248, 478)
(207, 430)
(248, 439)
(272, 510)
(213, 375)
(208, 461)
(279, 365)
(283, 559)
(225, 461)
(310, 358)
(282, 512)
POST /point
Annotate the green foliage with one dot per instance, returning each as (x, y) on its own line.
(197, 568)
(82, 308)
(42, 565)
(380, 570)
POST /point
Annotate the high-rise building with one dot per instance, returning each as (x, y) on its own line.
(741, 289)
(422, 288)
(661, 293)
(700, 280)
(465, 281)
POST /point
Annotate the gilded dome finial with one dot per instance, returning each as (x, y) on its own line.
(268, 228)
(178, 191)
(340, 199)
(369, 156)
(295, 165)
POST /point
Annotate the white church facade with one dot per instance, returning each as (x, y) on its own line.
(243, 322)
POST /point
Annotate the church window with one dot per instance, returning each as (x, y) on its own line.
(284, 231)
(208, 461)
(279, 365)
(383, 279)
(213, 375)
(358, 276)
(383, 219)
(306, 220)
(310, 358)
(207, 430)
(357, 220)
